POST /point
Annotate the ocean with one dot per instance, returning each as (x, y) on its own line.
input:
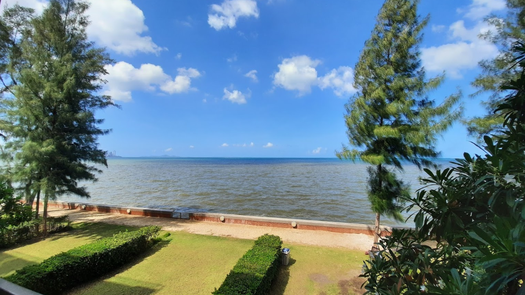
(316, 189)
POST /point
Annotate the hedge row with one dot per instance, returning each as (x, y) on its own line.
(14, 234)
(79, 265)
(255, 271)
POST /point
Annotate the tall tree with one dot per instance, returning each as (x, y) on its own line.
(53, 131)
(502, 68)
(390, 118)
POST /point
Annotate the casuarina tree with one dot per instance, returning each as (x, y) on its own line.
(391, 119)
(503, 68)
(51, 127)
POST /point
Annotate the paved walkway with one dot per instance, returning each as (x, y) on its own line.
(288, 235)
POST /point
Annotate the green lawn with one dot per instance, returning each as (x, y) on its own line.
(196, 264)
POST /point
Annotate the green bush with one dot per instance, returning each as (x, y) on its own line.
(255, 271)
(79, 265)
(13, 234)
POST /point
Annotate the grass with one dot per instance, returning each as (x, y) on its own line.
(189, 264)
(35, 252)
(196, 264)
(320, 270)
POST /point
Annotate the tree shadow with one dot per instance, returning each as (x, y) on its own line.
(92, 231)
(9, 263)
(116, 288)
(281, 281)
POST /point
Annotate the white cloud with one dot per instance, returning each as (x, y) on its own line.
(191, 146)
(234, 96)
(116, 24)
(123, 78)
(317, 150)
(438, 28)
(252, 75)
(340, 80)
(467, 49)
(226, 14)
(178, 56)
(119, 25)
(37, 5)
(168, 149)
(456, 57)
(251, 143)
(268, 145)
(224, 145)
(481, 8)
(232, 59)
(297, 73)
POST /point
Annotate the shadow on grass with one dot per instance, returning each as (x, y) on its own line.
(101, 286)
(93, 231)
(9, 263)
(283, 276)
(115, 288)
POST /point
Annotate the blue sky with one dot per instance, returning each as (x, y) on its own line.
(247, 78)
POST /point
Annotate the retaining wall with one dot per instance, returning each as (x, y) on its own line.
(299, 224)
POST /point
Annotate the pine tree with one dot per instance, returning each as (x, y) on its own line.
(500, 69)
(390, 118)
(53, 131)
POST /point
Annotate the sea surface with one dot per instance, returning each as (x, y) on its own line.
(315, 189)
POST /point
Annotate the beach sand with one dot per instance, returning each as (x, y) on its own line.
(288, 235)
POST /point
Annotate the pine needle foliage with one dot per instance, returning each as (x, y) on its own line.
(51, 127)
(391, 119)
(495, 72)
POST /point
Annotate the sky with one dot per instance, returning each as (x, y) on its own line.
(267, 78)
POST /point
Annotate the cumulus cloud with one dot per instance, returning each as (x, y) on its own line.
(226, 14)
(340, 80)
(297, 73)
(168, 149)
(268, 145)
(119, 25)
(224, 145)
(123, 78)
(116, 24)
(252, 75)
(317, 150)
(191, 146)
(466, 49)
(235, 96)
(178, 56)
(251, 143)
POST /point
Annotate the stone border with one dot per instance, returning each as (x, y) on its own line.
(9, 288)
(299, 224)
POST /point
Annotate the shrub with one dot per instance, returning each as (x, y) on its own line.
(79, 265)
(255, 271)
(14, 234)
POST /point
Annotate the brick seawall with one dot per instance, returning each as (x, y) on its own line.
(299, 224)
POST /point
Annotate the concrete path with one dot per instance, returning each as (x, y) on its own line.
(288, 235)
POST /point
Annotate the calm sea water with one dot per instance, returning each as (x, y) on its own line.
(317, 189)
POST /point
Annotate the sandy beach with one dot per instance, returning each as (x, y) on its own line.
(288, 235)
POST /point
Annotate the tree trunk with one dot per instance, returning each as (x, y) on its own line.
(37, 204)
(378, 214)
(45, 217)
(377, 230)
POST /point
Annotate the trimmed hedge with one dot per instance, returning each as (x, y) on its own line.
(14, 234)
(255, 271)
(82, 264)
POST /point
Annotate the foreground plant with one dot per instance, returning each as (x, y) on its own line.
(469, 235)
